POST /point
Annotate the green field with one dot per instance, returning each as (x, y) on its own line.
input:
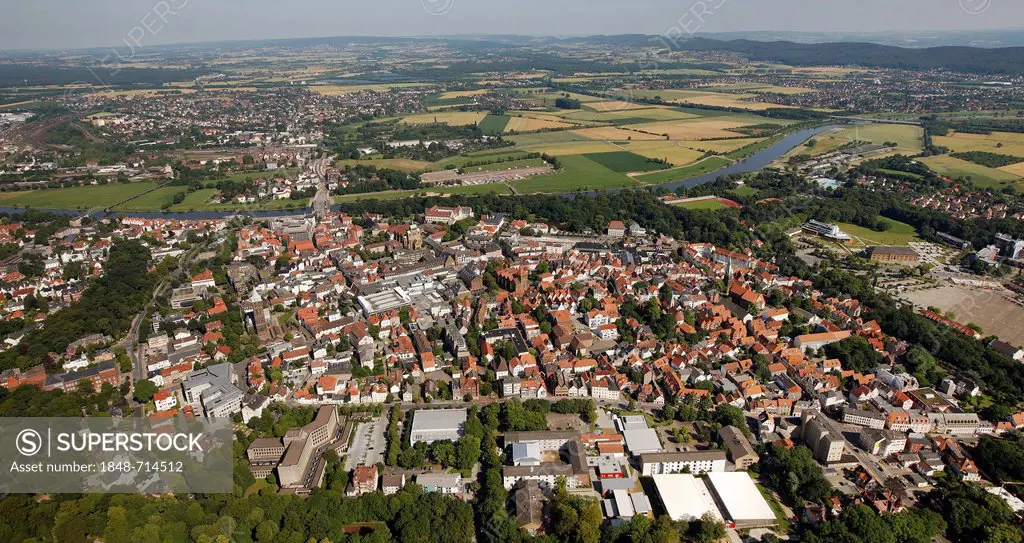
(711, 205)
(624, 161)
(900, 234)
(506, 165)
(744, 191)
(489, 188)
(578, 173)
(709, 164)
(151, 201)
(87, 197)
(462, 161)
(983, 176)
(492, 125)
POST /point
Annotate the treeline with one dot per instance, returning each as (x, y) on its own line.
(940, 126)
(20, 75)
(992, 160)
(1007, 60)
(107, 307)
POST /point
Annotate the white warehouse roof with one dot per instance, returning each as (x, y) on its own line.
(684, 496)
(741, 499)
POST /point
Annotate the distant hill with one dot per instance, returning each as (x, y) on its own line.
(1007, 60)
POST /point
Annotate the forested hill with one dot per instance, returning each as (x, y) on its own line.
(1009, 60)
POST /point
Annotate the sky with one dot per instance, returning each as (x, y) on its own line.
(68, 24)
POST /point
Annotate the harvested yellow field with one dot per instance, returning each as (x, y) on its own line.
(1004, 143)
(610, 133)
(528, 124)
(647, 112)
(462, 94)
(613, 105)
(672, 151)
(16, 104)
(340, 90)
(572, 147)
(1014, 169)
(701, 130)
(453, 118)
(722, 146)
(731, 100)
(904, 136)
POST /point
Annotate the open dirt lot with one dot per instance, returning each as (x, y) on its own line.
(991, 310)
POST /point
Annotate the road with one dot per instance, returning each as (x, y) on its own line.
(867, 460)
(131, 341)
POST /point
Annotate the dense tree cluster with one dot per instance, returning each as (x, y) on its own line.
(106, 307)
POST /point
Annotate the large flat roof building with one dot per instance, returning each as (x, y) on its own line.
(430, 425)
(739, 499)
(684, 497)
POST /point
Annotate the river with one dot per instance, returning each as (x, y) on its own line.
(752, 163)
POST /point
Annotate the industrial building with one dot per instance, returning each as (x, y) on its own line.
(430, 425)
(739, 500)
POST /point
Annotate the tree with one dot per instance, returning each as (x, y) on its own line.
(710, 529)
(145, 390)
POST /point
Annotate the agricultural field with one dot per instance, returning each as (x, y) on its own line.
(612, 105)
(611, 133)
(982, 176)
(578, 173)
(492, 125)
(900, 234)
(453, 118)
(483, 156)
(706, 98)
(650, 113)
(405, 164)
(723, 146)
(707, 165)
(672, 151)
(451, 95)
(694, 130)
(532, 124)
(624, 161)
(1004, 143)
(906, 137)
(341, 90)
(87, 197)
(507, 165)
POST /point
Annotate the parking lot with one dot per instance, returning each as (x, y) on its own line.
(368, 443)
